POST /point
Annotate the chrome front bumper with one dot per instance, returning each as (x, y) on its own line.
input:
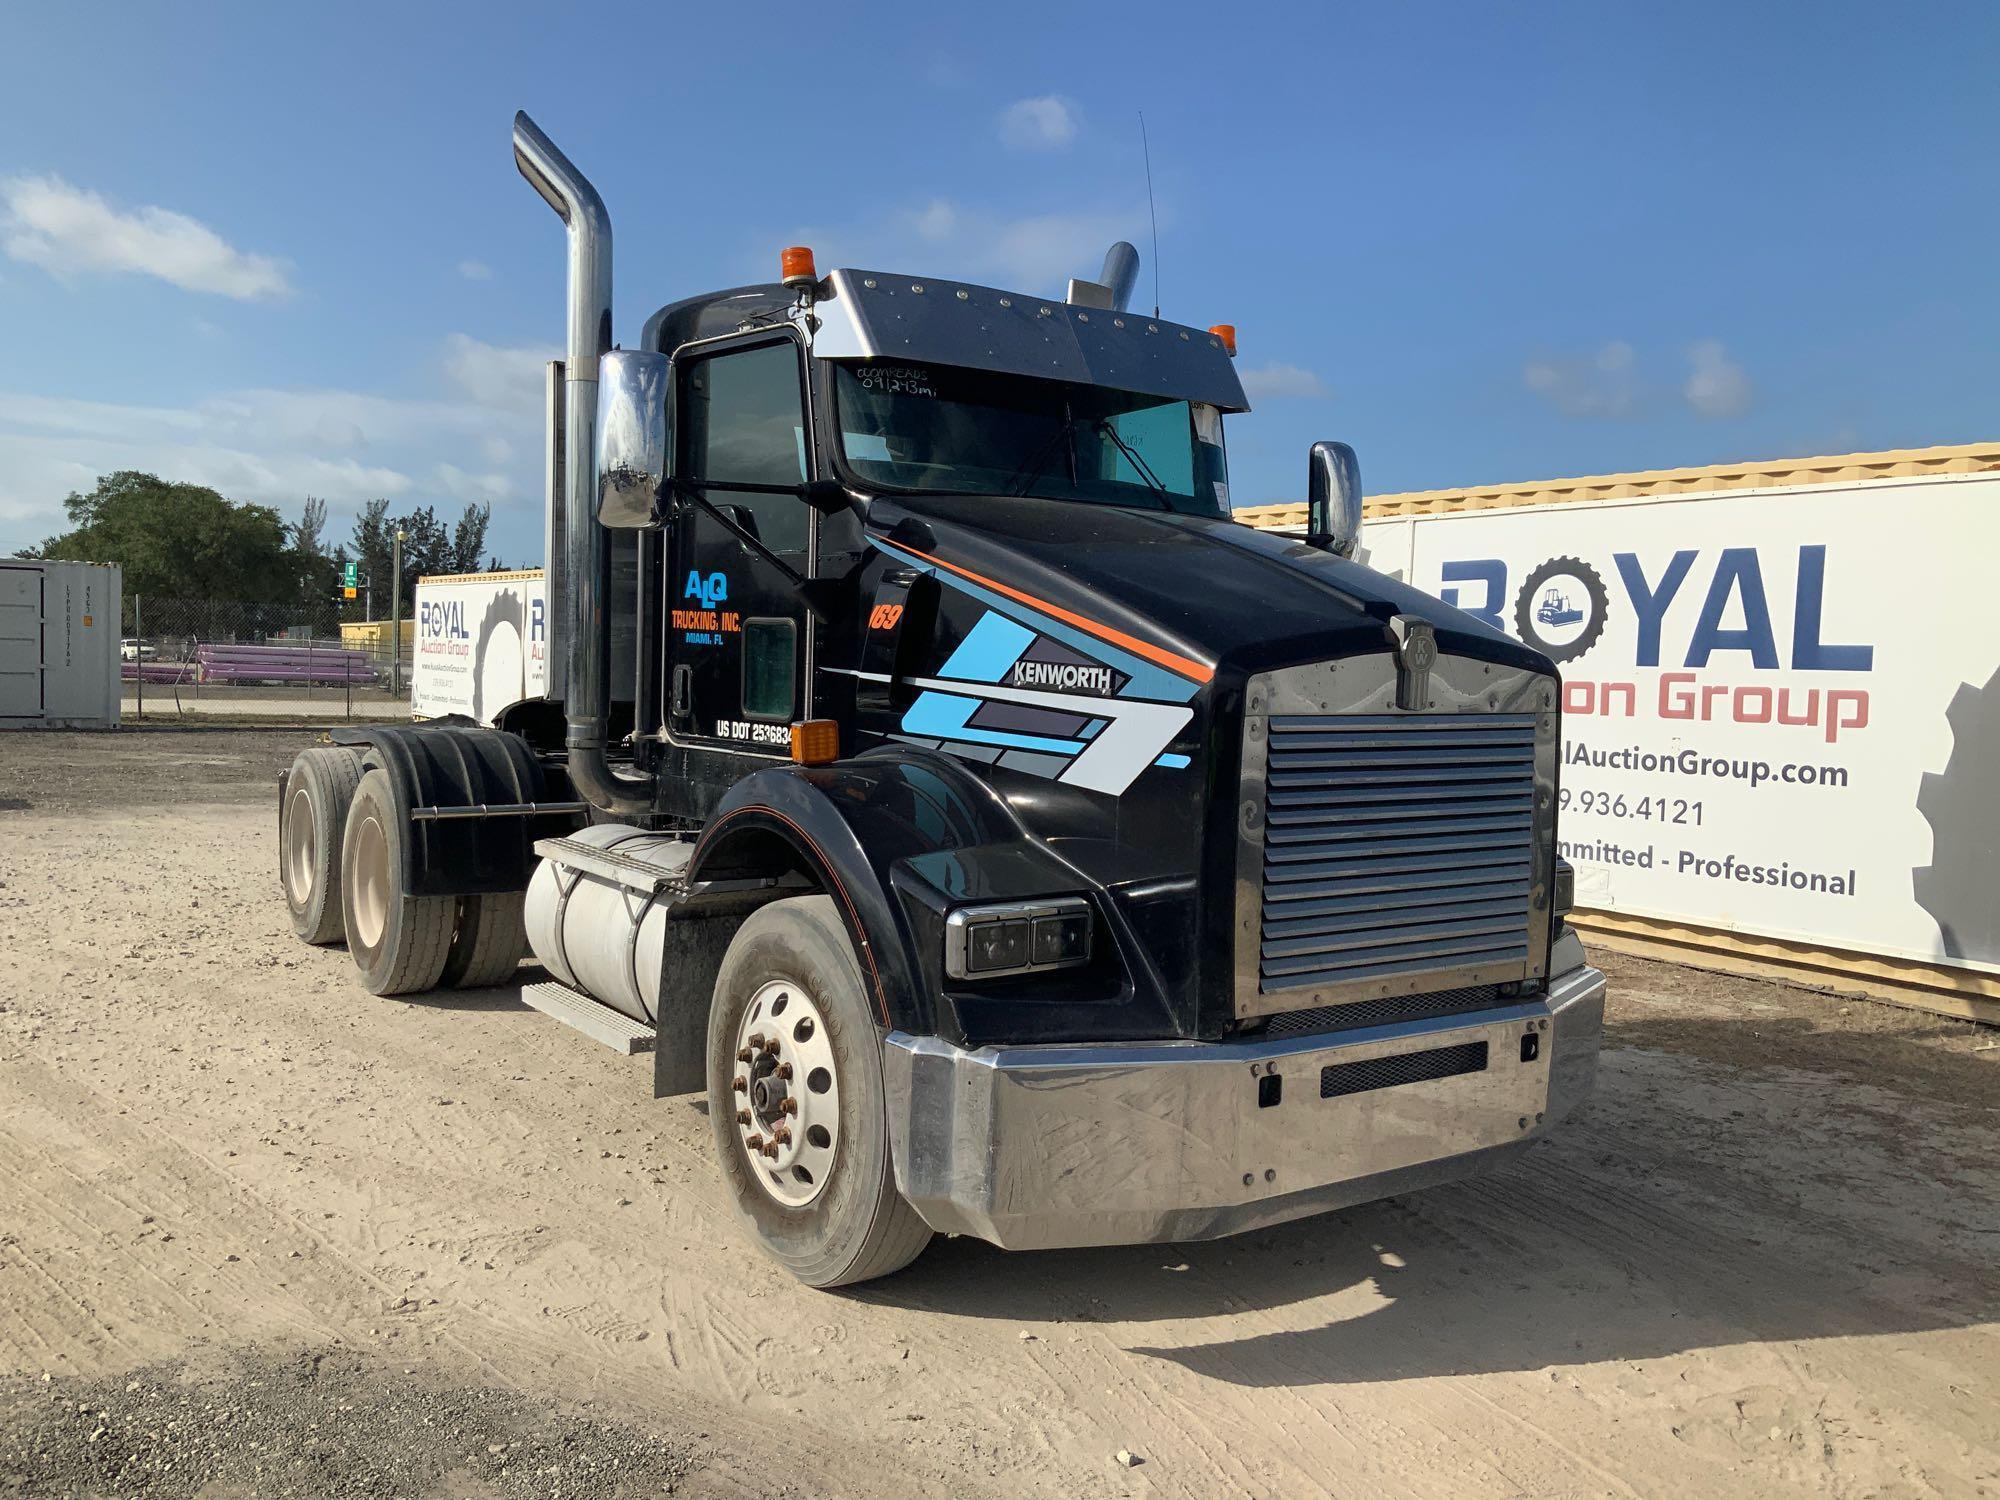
(1127, 1143)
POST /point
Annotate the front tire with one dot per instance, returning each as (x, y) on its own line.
(318, 792)
(817, 1190)
(399, 941)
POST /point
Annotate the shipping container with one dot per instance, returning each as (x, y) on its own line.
(58, 644)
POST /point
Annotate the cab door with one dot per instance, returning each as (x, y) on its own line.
(738, 636)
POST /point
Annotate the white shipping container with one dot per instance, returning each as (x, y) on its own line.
(59, 625)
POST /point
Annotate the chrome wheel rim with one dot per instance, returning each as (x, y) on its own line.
(301, 849)
(371, 883)
(786, 1094)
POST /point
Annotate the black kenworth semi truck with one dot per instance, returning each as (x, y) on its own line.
(1008, 842)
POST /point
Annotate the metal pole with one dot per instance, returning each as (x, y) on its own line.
(139, 651)
(396, 615)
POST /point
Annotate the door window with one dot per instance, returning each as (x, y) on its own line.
(742, 422)
(770, 667)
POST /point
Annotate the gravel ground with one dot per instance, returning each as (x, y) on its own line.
(1760, 1262)
(315, 1423)
(66, 772)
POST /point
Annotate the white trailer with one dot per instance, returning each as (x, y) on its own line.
(59, 644)
(482, 642)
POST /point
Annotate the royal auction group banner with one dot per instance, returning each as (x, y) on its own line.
(1781, 708)
(482, 643)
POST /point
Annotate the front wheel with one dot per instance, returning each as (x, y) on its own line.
(796, 1104)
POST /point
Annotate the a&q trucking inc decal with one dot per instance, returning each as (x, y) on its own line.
(1781, 709)
(481, 643)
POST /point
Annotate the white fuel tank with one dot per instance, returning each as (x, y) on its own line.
(598, 936)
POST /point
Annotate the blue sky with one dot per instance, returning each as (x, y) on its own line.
(283, 250)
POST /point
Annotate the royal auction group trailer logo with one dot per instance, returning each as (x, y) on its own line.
(1560, 608)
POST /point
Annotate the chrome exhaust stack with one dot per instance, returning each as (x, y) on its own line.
(579, 569)
(1112, 291)
(1120, 273)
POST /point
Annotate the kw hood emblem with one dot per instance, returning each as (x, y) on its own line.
(1416, 654)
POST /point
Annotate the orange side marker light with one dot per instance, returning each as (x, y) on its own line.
(815, 742)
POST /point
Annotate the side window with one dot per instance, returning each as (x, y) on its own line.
(741, 420)
(770, 652)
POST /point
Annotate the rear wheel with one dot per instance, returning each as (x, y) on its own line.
(399, 941)
(795, 1100)
(318, 793)
(487, 946)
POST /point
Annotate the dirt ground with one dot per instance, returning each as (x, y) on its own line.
(262, 1233)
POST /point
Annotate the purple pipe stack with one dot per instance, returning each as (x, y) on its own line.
(282, 664)
(155, 671)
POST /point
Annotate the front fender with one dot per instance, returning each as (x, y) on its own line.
(899, 837)
(856, 826)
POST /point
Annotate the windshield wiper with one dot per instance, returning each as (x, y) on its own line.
(1030, 471)
(1145, 470)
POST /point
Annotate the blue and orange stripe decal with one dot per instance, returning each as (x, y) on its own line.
(1197, 672)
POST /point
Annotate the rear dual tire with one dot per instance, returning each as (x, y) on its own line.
(319, 861)
(489, 942)
(399, 942)
(318, 793)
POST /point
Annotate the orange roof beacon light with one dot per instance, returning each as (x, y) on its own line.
(795, 265)
(815, 742)
(1227, 333)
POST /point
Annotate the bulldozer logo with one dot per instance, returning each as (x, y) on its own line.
(1560, 609)
(711, 590)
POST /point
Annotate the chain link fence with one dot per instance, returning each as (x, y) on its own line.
(219, 657)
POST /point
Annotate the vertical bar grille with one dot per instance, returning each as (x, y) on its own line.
(1396, 844)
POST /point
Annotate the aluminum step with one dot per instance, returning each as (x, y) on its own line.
(593, 1018)
(622, 869)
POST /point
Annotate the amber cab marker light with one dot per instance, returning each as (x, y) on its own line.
(795, 265)
(1224, 331)
(815, 742)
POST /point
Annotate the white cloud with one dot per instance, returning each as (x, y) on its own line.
(1037, 253)
(1602, 385)
(1717, 386)
(1044, 123)
(480, 440)
(511, 379)
(944, 71)
(937, 220)
(475, 270)
(1277, 380)
(940, 237)
(67, 230)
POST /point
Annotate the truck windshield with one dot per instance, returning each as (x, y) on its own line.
(940, 428)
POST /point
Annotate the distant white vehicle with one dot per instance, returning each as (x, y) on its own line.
(131, 650)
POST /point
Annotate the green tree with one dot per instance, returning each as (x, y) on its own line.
(180, 541)
(370, 551)
(468, 538)
(426, 545)
(318, 569)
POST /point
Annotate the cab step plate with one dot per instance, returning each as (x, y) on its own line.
(593, 1018)
(619, 869)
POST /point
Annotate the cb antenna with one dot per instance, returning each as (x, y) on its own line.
(1146, 147)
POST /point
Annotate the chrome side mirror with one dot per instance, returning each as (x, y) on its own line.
(631, 437)
(1333, 498)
